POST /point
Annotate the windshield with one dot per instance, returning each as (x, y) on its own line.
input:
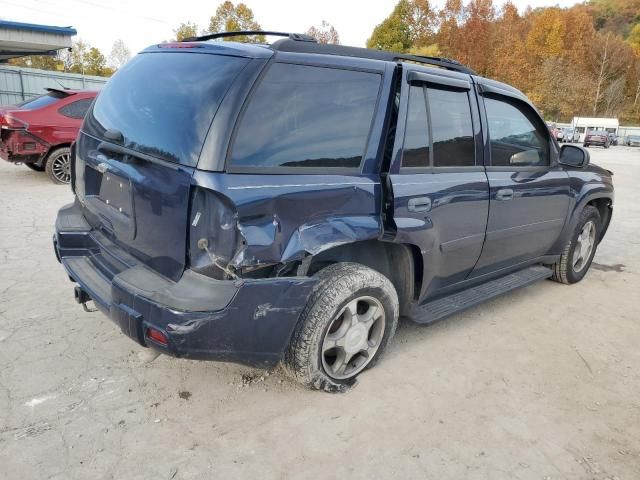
(42, 100)
(163, 103)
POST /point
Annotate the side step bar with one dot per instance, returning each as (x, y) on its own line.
(457, 302)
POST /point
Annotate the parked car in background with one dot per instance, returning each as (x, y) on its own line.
(39, 131)
(207, 227)
(569, 135)
(597, 137)
(633, 141)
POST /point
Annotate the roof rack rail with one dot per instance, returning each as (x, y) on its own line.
(291, 45)
(299, 37)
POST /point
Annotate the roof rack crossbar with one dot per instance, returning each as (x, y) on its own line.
(300, 37)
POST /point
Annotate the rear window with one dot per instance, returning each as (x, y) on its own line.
(307, 116)
(163, 103)
(42, 100)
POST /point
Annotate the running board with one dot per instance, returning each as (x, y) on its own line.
(457, 302)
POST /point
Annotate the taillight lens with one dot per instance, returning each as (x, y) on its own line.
(8, 121)
(214, 237)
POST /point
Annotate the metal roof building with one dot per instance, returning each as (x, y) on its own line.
(21, 39)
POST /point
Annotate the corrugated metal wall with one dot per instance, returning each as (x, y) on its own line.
(18, 84)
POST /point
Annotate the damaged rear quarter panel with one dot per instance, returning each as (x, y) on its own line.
(287, 217)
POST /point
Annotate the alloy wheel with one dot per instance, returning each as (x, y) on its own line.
(61, 167)
(353, 337)
(584, 246)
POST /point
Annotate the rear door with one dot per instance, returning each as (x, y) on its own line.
(139, 146)
(440, 189)
(529, 191)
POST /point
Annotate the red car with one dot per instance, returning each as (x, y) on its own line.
(39, 131)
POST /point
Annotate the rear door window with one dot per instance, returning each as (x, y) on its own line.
(307, 116)
(163, 103)
(439, 130)
(453, 143)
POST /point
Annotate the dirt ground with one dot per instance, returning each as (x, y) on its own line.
(540, 384)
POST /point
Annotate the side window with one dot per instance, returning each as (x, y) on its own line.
(450, 136)
(304, 116)
(77, 109)
(416, 136)
(518, 137)
(451, 128)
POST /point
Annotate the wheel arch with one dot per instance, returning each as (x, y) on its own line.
(400, 263)
(44, 158)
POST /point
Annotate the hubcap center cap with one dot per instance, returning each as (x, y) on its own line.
(355, 338)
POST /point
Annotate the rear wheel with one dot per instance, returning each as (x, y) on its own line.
(35, 167)
(58, 166)
(579, 251)
(347, 323)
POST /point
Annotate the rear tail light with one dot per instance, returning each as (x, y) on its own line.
(8, 121)
(214, 238)
(180, 45)
(157, 336)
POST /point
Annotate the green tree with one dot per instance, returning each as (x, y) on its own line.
(96, 63)
(234, 18)
(185, 30)
(410, 24)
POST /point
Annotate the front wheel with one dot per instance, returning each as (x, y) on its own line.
(579, 251)
(348, 321)
(58, 166)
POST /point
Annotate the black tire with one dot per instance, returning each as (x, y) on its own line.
(35, 167)
(56, 171)
(564, 269)
(338, 286)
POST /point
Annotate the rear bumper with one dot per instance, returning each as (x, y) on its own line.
(246, 321)
(22, 146)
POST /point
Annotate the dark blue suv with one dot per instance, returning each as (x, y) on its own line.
(288, 202)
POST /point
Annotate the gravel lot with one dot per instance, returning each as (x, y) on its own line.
(541, 384)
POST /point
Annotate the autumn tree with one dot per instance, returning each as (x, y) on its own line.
(473, 45)
(507, 52)
(185, 30)
(234, 18)
(450, 18)
(324, 33)
(611, 57)
(42, 62)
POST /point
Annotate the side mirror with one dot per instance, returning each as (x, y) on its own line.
(574, 156)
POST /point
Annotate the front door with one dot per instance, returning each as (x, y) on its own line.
(529, 191)
(440, 189)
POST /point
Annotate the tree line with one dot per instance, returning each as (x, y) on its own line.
(578, 61)
(81, 58)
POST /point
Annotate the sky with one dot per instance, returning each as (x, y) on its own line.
(141, 23)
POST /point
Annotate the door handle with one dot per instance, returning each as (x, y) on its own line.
(504, 194)
(419, 204)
